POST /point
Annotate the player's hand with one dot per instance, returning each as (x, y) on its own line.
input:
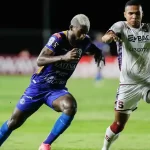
(114, 37)
(99, 59)
(71, 55)
(111, 36)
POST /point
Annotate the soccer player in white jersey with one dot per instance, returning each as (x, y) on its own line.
(133, 43)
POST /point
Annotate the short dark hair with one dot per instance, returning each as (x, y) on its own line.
(133, 2)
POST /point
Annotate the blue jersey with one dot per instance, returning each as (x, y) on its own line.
(55, 75)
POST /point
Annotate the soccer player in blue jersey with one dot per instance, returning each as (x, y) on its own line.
(57, 61)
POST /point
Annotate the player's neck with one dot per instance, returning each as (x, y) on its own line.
(138, 26)
(68, 37)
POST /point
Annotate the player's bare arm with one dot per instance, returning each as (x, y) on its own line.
(47, 57)
(110, 36)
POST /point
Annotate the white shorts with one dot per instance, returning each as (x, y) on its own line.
(128, 96)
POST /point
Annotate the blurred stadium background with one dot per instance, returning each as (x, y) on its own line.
(24, 30)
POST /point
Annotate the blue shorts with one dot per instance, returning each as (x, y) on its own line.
(33, 98)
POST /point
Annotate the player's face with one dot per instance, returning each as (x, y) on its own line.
(133, 15)
(79, 33)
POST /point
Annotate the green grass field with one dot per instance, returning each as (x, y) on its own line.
(95, 114)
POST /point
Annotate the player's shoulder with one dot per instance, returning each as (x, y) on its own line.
(63, 34)
(119, 24)
(58, 36)
(87, 39)
(146, 27)
(87, 36)
(145, 24)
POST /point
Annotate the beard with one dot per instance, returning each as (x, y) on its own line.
(75, 41)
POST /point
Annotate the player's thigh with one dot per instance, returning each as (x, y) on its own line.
(21, 115)
(27, 105)
(60, 100)
(18, 117)
(127, 98)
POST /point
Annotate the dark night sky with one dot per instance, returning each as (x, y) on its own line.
(29, 14)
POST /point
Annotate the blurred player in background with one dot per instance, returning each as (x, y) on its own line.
(57, 61)
(24, 53)
(133, 42)
(106, 52)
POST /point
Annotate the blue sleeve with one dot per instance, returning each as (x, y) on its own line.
(87, 42)
(54, 42)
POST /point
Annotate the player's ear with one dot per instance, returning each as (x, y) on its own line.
(125, 14)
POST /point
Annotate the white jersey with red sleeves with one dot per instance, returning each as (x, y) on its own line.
(133, 52)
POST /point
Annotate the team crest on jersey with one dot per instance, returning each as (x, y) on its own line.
(140, 39)
(22, 101)
(79, 51)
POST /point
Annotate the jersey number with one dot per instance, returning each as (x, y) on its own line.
(120, 104)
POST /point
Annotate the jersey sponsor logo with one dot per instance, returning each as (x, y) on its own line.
(66, 66)
(61, 74)
(55, 80)
(140, 49)
(140, 39)
(52, 42)
(55, 44)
